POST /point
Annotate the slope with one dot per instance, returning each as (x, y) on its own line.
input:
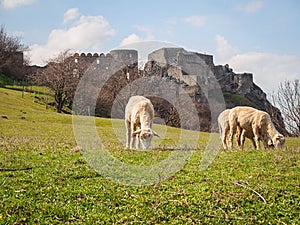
(46, 180)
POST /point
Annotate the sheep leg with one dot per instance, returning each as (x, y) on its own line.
(265, 141)
(242, 139)
(137, 139)
(231, 134)
(224, 134)
(256, 137)
(128, 133)
(132, 139)
(238, 136)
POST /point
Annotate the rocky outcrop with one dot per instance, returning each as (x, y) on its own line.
(198, 75)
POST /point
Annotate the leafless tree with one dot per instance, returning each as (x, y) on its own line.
(287, 99)
(11, 54)
(62, 75)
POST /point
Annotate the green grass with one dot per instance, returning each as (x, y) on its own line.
(236, 99)
(44, 179)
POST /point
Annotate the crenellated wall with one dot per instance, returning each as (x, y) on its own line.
(125, 56)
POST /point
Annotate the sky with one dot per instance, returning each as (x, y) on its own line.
(255, 36)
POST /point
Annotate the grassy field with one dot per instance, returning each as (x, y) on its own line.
(44, 179)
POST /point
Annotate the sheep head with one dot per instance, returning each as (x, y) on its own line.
(145, 136)
(278, 141)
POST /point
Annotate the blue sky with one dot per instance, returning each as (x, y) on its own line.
(257, 36)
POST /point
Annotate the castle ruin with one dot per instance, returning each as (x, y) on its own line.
(126, 56)
(195, 68)
(188, 69)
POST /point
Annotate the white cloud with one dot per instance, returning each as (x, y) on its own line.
(87, 34)
(224, 50)
(71, 14)
(197, 21)
(147, 35)
(251, 7)
(10, 4)
(268, 69)
(130, 39)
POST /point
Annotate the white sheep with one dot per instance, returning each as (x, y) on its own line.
(224, 128)
(223, 125)
(139, 114)
(256, 121)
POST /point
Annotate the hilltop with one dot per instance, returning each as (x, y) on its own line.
(191, 72)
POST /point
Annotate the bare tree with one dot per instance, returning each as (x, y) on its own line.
(11, 55)
(287, 99)
(62, 75)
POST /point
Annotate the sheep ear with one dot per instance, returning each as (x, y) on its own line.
(137, 132)
(154, 133)
(280, 138)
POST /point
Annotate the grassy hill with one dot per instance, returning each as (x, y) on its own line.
(46, 180)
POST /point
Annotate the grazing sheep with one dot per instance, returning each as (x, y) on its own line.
(255, 121)
(139, 113)
(223, 125)
(224, 128)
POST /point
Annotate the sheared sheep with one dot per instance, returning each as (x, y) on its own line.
(257, 121)
(224, 128)
(139, 113)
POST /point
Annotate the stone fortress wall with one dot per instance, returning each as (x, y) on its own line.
(185, 67)
(188, 68)
(127, 56)
(200, 67)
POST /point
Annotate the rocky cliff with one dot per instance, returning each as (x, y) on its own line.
(198, 75)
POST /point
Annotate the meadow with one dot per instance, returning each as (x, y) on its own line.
(45, 178)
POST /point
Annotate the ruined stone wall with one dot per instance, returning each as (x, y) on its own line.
(191, 68)
(127, 56)
(165, 56)
(124, 56)
(176, 56)
(244, 83)
(182, 63)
